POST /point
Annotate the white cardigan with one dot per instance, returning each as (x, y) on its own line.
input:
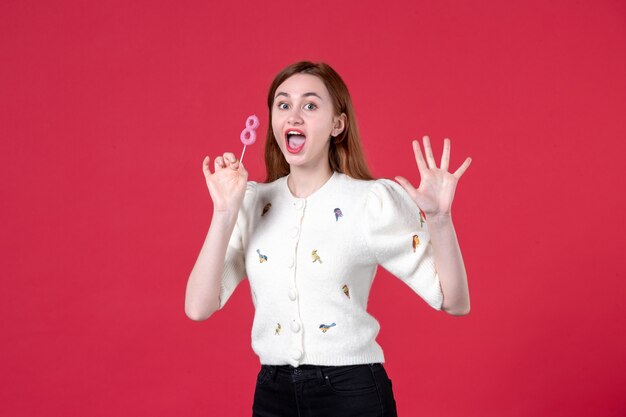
(311, 263)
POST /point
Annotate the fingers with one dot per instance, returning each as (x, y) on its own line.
(462, 168)
(205, 166)
(228, 160)
(445, 157)
(419, 158)
(219, 163)
(429, 153)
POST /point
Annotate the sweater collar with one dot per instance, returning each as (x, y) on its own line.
(320, 191)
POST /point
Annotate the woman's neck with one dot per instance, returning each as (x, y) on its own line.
(303, 182)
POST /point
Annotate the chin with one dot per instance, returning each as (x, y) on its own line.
(296, 162)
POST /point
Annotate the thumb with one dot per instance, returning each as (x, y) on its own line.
(242, 170)
(406, 184)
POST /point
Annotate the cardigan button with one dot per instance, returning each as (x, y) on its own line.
(290, 262)
(295, 326)
(296, 354)
(295, 231)
(298, 204)
(293, 295)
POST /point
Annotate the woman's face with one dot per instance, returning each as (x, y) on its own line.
(303, 120)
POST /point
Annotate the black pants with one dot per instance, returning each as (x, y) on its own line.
(323, 391)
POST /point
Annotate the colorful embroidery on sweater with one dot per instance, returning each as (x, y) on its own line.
(262, 258)
(315, 256)
(346, 290)
(324, 327)
(416, 242)
(338, 214)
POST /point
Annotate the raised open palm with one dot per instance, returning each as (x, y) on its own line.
(436, 190)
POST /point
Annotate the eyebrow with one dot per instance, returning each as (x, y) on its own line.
(309, 94)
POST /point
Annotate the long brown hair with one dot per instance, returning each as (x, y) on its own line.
(346, 153)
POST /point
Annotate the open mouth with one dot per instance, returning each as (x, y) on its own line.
(295, 140)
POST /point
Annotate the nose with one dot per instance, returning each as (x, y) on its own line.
(295, 118)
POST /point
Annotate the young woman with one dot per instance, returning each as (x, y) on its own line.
(310, 238)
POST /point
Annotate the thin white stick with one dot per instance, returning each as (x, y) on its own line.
(244, 151)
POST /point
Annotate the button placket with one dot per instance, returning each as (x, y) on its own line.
(295, 327)
(296, 354)
(297, 351)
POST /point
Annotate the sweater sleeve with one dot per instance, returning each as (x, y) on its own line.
(234, 261)
(397, 236)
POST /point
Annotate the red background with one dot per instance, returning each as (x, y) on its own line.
(108, 108)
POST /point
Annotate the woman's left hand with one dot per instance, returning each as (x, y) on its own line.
(436, 190)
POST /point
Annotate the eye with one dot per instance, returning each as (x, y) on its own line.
(310, 106)
(283, 106)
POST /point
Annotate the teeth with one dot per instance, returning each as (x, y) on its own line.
(294, 133)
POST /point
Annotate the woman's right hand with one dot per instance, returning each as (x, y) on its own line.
(227, 185)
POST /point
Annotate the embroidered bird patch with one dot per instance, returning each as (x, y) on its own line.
(324, 327)
(346, 290)
(262, 258)
(315, 256)
(422, 217)
(338, 214)
(267, 208)
(277, 329)
(416, 242)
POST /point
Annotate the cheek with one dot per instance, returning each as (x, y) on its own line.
(324, 133)
(276, 129)
(278, 138)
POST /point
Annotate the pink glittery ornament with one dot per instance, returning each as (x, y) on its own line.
(248, 135)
